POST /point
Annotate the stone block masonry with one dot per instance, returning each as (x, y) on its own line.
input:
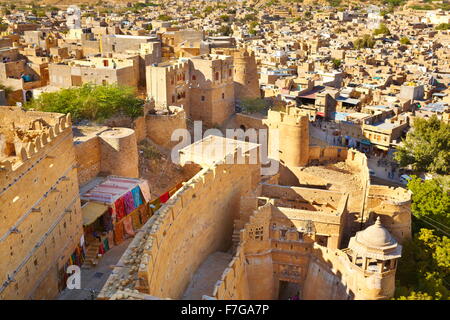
(40, 208)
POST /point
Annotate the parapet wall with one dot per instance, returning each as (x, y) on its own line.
(112, 151)
(88, 159)
(35, 149)
(393, 206)
(174, 247)
(40, 208)
(159, 128)
(327, 154)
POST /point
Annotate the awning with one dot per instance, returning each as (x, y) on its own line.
(382, 148)
(91, 211)
(320, 114)
(366, 142)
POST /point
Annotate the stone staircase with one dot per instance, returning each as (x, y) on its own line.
(92, 255)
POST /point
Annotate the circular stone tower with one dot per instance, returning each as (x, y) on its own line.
(119, 153)
(246, 81)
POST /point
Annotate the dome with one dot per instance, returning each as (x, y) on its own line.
(376, 236)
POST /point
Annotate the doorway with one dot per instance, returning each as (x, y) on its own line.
(289, 290)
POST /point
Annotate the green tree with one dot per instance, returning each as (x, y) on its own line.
(225, 31)
(208, 10)
(382, 29)
(164, 17)
(424, 268)
(334, 3)
(443, 26)
(430, 202)
(253, 105)
(336, 63)
(405, 40)
(426, 147)
(91, 102)
(365, 42)
(225, 18)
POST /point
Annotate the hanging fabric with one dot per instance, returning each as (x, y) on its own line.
(129, 202)
(145, 191)
(120, 208)
(164, 197)
(128, 226)
(118, 233)
(135, 219)
(136, 192)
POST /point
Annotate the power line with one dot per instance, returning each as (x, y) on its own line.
(437, 228)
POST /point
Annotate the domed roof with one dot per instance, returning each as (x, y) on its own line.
(376, 236)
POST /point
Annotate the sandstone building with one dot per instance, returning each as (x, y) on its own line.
(260, 236)
(202, 85)
(41, 228)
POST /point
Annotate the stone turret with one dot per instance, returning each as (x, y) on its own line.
(246, 82)
(289, 130)
(374, 252)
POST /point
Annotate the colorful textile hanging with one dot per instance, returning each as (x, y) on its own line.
(164, 197)
(129, 202)
(118, 233)
(128, 226)
(135, 219)
(120, 208)
(112, 213)
(144, 215)
(137, 196)
(145, 191)
(105, 243)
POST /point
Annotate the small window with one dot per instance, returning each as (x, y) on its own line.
(217, 76)
(194, 77)
(223, 95)
(203, 98)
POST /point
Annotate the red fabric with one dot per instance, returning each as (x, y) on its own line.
(163, 198)
(120, 208)
(101, 250)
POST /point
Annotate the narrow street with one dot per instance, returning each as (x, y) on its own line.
(95, 278)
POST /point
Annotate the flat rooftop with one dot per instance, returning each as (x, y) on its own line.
(212, 149)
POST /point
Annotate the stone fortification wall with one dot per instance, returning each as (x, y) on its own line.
(393, 205)
(40, 208)
(159, 127)
(175, 247)
(112, 151)
(119, 154)
(88, 159)
(327, 154)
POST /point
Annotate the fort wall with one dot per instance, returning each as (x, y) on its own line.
(393, 206)
(41, 228)
(88, 157)
(159, 127)
(171, 253)
(119, 154)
